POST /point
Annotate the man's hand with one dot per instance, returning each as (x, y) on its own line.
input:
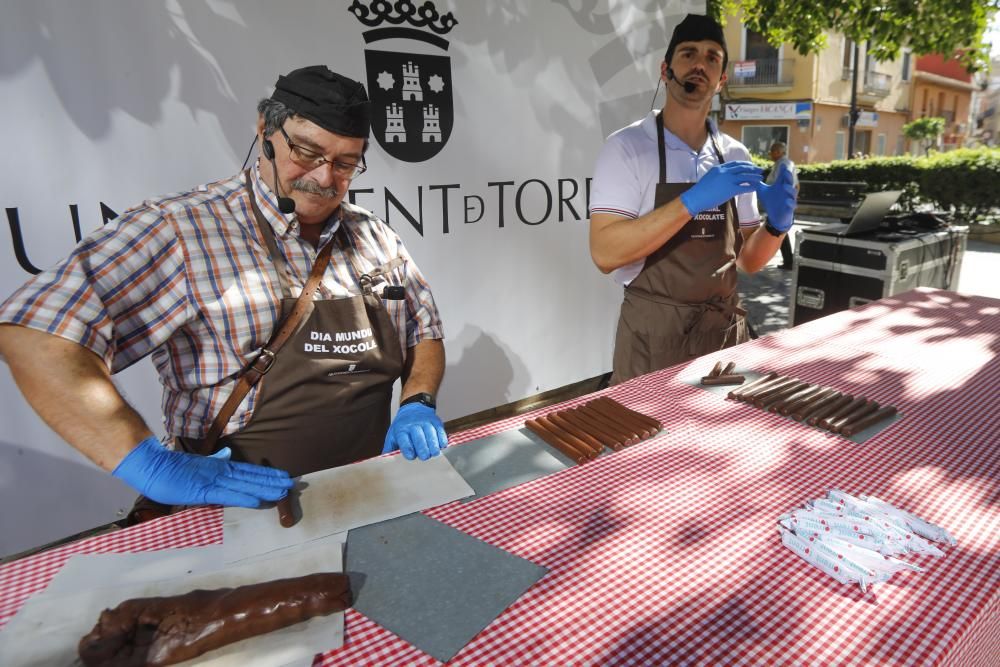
(779, 199)
(417, 432)
(720, 184)
(178, 478)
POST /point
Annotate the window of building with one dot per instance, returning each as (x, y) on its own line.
(906, 66)
(848, 53)
(758, 138)
(757, 48)
(880, 145)
(900, 144)
(839, 149)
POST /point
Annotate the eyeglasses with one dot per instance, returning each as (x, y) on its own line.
(310, 159)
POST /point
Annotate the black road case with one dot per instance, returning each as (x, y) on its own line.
(833, 272)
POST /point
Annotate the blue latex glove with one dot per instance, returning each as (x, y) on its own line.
(720, 184)
(179, 478)
(779, 199)
(417, 432)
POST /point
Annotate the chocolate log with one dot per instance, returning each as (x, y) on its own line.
(716, 369)
(616, 413)
(555, 441)
(829, 409)
(567, 437)
(808, 411)
(804, 402)
(625, 435)
(767, 390)
(607, 433)
(842, 411)
(730, 367)
(723, 379)
(737, 393)
(645, 420)
(794, 397)
(872, 419)
(767, 399)
(168, 630)
(603, 412)
(866, 409)
(592, 443)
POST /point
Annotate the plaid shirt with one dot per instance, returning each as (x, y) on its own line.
(187, 279)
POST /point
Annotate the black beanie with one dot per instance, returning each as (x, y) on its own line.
(694, 28)
(334, 102)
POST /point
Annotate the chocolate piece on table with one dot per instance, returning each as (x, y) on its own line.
(829, 409)
(766, 390)
(607, 433)
(859, 413)
(567, 437)
(167, 630)
(804, 402)
(716, 369)
(603, 412)
(872, 419)
(728, 370)
(794, 397)
(645, 420)
(767, 399)
(723, 379)
(616, 413)
(560, 420)
(287, 514)
(807, 411)
(737, 393)
(554, 440)
(842, 411)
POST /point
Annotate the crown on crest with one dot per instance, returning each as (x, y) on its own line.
(402, 11)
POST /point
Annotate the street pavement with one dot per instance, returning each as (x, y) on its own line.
(766, 294)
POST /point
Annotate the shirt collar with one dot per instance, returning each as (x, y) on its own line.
(671, 139)
(285, 224)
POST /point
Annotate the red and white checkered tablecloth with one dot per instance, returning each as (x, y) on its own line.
(668, 552)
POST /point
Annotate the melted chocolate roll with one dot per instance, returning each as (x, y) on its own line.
(765, 391)
(768, 399)
(555, 441)
(866, 409)
(730, 367)
(716, 369)
(641, 431)
(843, 411)
(567, 437)
(829, 409)
(806, 401)
(814, 408)
(168, 630)
(794, 397)
(753, 386)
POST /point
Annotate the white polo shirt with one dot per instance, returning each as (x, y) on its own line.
(628, 169)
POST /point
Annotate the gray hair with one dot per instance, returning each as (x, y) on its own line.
(275, 115)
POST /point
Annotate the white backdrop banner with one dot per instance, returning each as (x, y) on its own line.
(109, 102)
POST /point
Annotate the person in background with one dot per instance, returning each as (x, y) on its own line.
(674, 214)
(202, 281)
(779, 153)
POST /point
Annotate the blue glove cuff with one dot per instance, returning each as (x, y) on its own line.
(686, 201)
(148, 448)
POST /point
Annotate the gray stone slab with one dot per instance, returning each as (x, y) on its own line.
(500, 461)
(722, 390)
(430, 584)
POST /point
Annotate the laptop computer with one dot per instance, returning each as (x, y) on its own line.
(867, 218)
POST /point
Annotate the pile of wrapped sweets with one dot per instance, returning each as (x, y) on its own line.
(855, 539)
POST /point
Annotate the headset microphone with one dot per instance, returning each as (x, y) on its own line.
(689, 87)
(285, 204)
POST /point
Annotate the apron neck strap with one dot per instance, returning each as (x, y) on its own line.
(264, 227)
(662, 149)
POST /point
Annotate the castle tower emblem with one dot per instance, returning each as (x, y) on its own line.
(412, 103)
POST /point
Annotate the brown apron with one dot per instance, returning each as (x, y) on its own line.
(325, 401)
(680, 306)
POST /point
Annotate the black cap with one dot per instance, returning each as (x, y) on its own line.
(334, 102)
(694, 28)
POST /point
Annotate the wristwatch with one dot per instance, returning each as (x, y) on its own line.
(771, 230)
(422, 397)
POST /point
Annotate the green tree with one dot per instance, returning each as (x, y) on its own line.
(926, 26)
(925, 130)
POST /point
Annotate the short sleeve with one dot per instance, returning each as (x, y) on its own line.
(615, 187)
(121, 293)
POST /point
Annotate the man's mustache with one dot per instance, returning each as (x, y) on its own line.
(311, 187)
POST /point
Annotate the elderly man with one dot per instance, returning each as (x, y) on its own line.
(674, 214)
(278, 317)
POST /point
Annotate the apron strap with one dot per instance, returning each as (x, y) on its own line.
(257, 368)
(272, 248)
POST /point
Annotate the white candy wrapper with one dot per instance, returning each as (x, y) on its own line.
(854, 539)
